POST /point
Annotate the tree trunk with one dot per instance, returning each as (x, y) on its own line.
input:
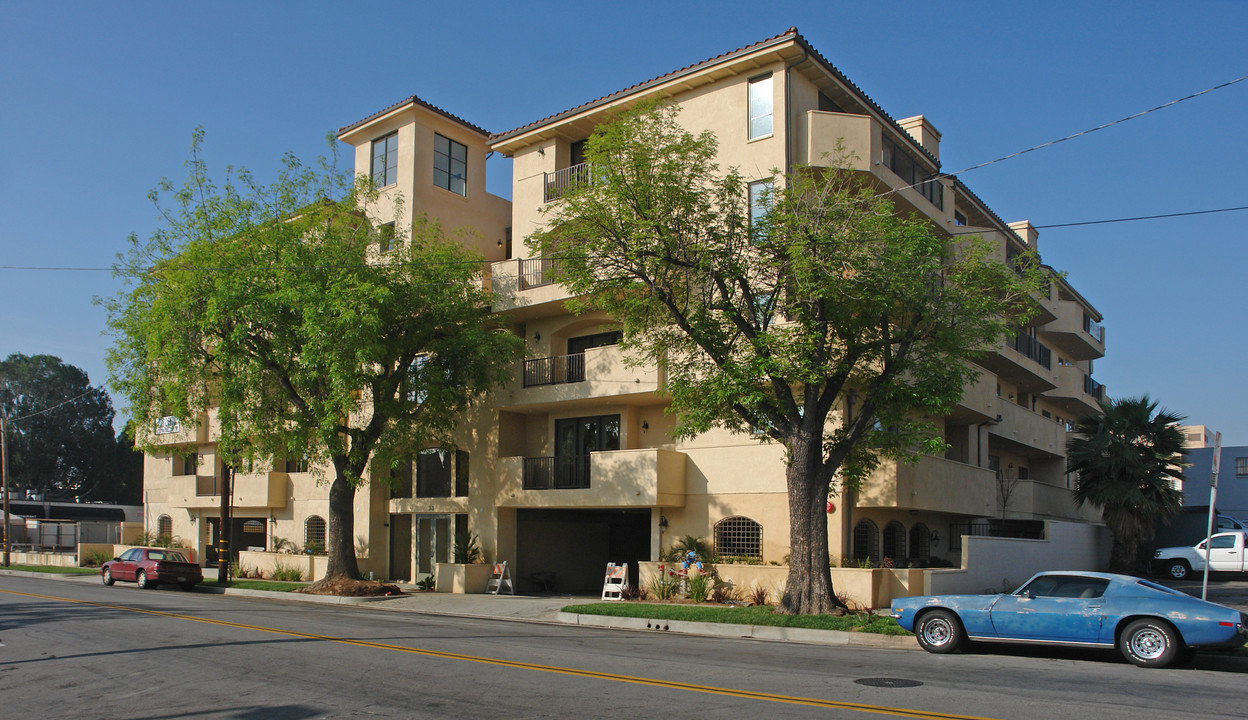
(1123, 553)
(808, 590)
(340, 543)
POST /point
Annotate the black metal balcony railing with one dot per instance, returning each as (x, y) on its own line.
(558, 182)
(536, 272)
(554, 370)
(1093, 328)
(1033, 349)
(207, 485)
(1093, 388)
(556, 473)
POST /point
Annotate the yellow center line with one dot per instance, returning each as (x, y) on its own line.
(612, 677)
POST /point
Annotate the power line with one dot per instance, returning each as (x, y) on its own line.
(1142, 217)
(45, 411)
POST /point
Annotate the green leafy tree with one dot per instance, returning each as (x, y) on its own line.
(1128, 458)
(823, 298)
(273, 304)
(61, 440)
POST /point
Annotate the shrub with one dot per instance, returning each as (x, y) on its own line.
(468, 551)
(664, 585)
(281, 571)
(314, 548)
(676, 553)
(700, 586)
(282, 545)
(635, 593)
(427, 583)
(96, 558)
(758, 595)
(724, 593)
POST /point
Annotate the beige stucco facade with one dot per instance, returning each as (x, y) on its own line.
(572, 463)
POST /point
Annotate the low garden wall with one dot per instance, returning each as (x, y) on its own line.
(312, 566)
(859, 588)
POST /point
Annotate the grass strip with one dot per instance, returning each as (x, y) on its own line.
(54, 569)
(753, 615)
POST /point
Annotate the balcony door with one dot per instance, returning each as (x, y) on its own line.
(575, 439)
(577, 347)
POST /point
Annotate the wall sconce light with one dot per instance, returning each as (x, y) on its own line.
(645, 426)
(537, 336)
(499, 243)
(662, 521)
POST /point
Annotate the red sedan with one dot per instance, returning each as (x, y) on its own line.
(150, 567)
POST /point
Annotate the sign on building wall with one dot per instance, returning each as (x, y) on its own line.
(168, 425)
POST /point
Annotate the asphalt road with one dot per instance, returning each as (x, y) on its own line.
(80, 650)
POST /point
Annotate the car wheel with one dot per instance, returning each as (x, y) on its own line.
(106, 577)
(939, 631)
(141, 578)
(1150, 643)
(1178, 570)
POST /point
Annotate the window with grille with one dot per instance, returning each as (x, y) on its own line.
(894, 540)
(164, 527)
(253, 526)
(739, 536)
(920, 542)
(314, 533)
(1241, 467)
(866, 541)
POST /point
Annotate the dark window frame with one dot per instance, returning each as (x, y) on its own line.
(385, 165)
(446, 178)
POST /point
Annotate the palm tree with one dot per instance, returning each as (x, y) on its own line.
(1127, 458)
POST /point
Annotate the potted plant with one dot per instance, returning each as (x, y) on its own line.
(468, 574)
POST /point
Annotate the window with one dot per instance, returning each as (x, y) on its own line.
(1222, 542)
(134, 554)
(433, 473)
(450, 164)
(894, 540)
(760, 107)
(1241, 467)
(401, 479)
(920, 542)
(164, 528)
(958, 218)
(314, 534)
(461, 473)
(739, 536)
(827, 104)
(254, 527)
(386, 160)
(912, 172)
(385, 237)
(866, 541)
(412, 390)
(187, 464)
(760, 206)
(297, 465)
(1064, 586)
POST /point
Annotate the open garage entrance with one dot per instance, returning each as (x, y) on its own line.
(566, 551)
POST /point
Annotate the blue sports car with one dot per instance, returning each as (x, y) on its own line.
(1151, 624)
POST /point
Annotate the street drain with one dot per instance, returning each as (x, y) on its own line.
(888, 682)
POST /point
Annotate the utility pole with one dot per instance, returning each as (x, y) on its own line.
(223, 528)
(4, 475)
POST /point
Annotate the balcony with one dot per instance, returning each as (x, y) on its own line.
(593, 375)
(1074, 333)
(1026, 432)
(619, 478)
(1023, 361)
(863, 148)
(934, 484)
(1076, 393)
(525, 287)
(556, 183)
(251, 490)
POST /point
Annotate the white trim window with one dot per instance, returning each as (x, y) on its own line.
(760, 107)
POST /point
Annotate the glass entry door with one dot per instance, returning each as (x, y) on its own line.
(575, 439)
(434, 536)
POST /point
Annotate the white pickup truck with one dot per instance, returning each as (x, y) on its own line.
(1226, 554)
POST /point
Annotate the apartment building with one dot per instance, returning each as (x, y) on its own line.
(572, 465)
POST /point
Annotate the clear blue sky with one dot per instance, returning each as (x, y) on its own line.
(98, 101)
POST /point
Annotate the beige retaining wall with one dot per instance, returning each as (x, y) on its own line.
(312, 566)
(859, 588)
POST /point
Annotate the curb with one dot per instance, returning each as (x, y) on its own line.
(297, 597)
(770, 633)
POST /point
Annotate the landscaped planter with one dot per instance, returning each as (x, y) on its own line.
(460, 578)
(860, 588)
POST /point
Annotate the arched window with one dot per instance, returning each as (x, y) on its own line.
(920, 542)
(314, 534)
(253, 526)
(739, 537)
(895, 540)
(866, 541)
(164, 528)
